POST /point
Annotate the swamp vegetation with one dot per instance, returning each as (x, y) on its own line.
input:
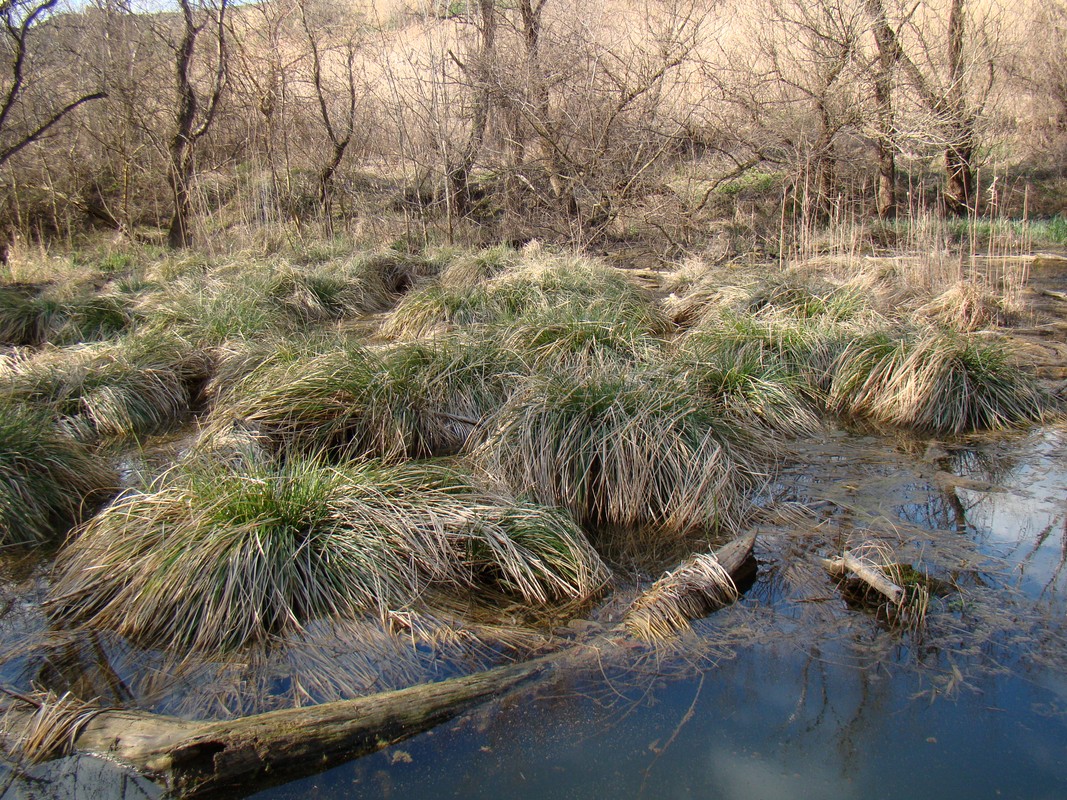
(277, 485)
(671, 382)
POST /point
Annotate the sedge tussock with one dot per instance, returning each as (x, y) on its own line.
(530, 288)
(801, 299)
(36, 315)
(747, 383)
(212, 558)
(468, 270)
(50, 731)
(431, 309)
(307, 402)
(632, 452)
(582, 337)
(965, 307)
(935, 382)
(697, 587)
(450, 385)
(48, 480)
(128, 388)
(412, 400)
(802, 349)
(311, 298)
(398, 269)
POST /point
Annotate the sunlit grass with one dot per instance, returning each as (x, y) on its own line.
(212, 558)
(935, 382)
(410, 400)
(34, 316)
(632, 451)
(533, 286)
(749, 382)
(48, 481)
(126, 388)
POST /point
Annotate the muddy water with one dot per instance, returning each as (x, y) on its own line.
(791, 691)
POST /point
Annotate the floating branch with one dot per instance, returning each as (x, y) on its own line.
(906, 591)
(869, 573)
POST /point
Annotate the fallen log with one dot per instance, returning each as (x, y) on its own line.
(700, 585)
(231, 757)
(194, 759)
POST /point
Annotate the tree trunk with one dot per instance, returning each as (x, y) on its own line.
(960, 197)
(538, 112)
(885, 40)
(180, 171)
(461, 198)
(960, 190)
(179, 235)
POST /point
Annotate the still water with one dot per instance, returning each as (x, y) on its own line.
(790, 692)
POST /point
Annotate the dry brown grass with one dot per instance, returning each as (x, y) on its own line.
(693, 590)
(50, 730)
(967, 307)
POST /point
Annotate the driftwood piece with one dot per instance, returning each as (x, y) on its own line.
(194, 759)
(872, 576)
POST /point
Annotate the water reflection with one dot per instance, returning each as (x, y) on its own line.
(791, 688)
(75, 778)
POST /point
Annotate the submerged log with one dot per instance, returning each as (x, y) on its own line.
(194, 759)
(231, 757)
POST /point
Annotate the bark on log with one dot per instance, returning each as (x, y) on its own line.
(195, 759)
(697, 587)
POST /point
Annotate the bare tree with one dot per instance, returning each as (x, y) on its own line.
(886, 55)
(952, 70)
(194, 114)
(332, 39)
(22, 123)
(810, 61)
(478, 71)
(28, 114)
(262, 71)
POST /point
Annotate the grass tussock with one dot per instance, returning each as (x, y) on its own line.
(468, 270)
(693, 590)
(966, 307)
(748, 382)
(934, 382)
(412, 400)
(582, 337)
(124, 389)
(48, 481)
(535, 285)
(214, 558)
(34, 315)
(805, 299)
(626, 452)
